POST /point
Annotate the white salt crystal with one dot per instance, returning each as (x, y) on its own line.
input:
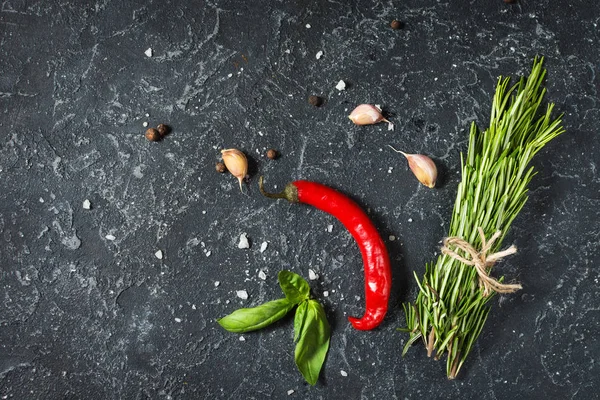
(242, 294)
(208, 253)
(177, 319)
(159, 254)
(341, 85)
(290, 392)
(390, 126)
(262, 275)
(307, 26)
(312, 275)
(86, 204)
(329, 228)
(144, 124)
(110, 237)
(326, 294)
(344, 373)
(319, 54)
(263, 247)
(242, 339)
(217, 283)
(243, 244)
(148, 52)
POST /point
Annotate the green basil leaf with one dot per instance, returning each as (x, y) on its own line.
(251, 319)
(299, 319)
(294, 287)
(313, 343)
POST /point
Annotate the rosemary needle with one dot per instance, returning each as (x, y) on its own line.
(451, 308)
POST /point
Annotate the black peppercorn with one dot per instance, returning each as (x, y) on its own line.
(220, 167)
(162, 129)
(315, 101)
(396, 24)
(271, 154)
(152, 135)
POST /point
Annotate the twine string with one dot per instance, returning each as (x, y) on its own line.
(481, 260)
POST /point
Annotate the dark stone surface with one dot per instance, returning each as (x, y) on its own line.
(84, 317)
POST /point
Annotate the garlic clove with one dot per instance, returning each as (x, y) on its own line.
(236, 163)
(422, 167)
(366, 114)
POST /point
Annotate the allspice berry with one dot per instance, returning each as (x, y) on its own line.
(163, 129)
(271, 154)
(396, 24)
(315, 101)
(220, 167)
(152, 135)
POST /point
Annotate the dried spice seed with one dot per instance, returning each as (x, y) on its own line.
(163, 129)
(152, 135)
(271, 154)
(397, 24)
(315, 101)
(220, 167)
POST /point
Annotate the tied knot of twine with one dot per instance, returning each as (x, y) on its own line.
(481, 260)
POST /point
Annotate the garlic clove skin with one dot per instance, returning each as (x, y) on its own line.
(236, 163)
(422, 167)
(366, 114)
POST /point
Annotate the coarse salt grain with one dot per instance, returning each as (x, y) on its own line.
(341, 85)
(177, 319)
(148, 52)
(110, 237)
(290, 392)
(242, 294)
(263, 247)
(312, 275)
(217, 283)
(307, 26)
(242, 339)
(326, 294)
(144, 124)
(343, 373)
(159, 254)
(329, 228)
(262, 275)
(243, 243)
(319, 54)
(86, 204)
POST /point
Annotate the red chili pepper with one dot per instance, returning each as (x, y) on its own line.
(378, 275)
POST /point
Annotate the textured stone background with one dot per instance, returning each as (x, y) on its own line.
(83, 317)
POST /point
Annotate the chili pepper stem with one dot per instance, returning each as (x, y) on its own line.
(290, 192)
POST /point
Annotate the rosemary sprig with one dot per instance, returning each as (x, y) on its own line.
(451, 308)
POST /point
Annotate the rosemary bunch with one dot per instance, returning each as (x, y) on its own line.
(452, 307)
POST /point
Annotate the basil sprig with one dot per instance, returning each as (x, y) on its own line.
(251, 319)
(311, 329)
(313, 342)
